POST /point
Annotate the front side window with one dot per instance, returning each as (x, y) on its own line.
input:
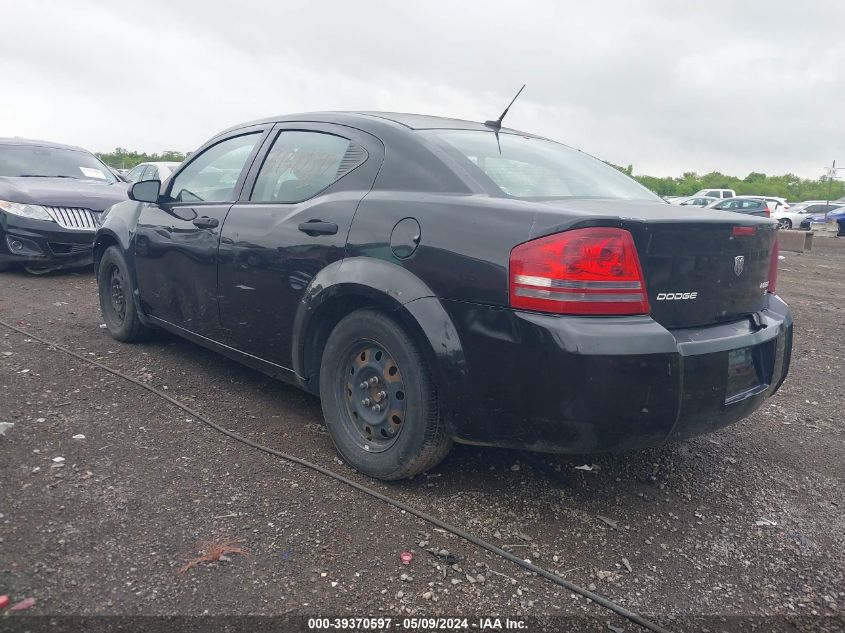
(212, 175)
(33, 161)
(529, 167)
(301, 164)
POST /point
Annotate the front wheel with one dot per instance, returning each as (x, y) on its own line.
(116, 298)
(379, 399)
(785, 223)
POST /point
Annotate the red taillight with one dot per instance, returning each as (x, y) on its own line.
(583, 271)
(773, 268)
(745, 230)
(768, 211)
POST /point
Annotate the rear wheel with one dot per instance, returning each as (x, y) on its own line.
(785, 223)
(379, 399)
(116, 298)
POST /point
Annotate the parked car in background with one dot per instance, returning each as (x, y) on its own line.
(749, 206)
(700, 201)
(775, 204)
(151, 171)
(437, 280)
(793, 216)
(51, 199)
(121, 175)
(715, 193)
(838, 216)
(815, 212)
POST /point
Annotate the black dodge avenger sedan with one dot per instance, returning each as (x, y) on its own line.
(436, 280)
(51, 197)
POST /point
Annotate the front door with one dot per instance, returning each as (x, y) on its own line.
(291, 221)
(177, 238)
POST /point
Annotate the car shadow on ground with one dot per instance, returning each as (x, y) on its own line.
(290, 420)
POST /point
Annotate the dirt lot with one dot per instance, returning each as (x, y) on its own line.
(105, 531)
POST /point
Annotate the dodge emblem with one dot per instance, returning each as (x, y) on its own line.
(739, 264)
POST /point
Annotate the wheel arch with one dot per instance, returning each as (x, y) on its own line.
(102, 241)
(362, 282)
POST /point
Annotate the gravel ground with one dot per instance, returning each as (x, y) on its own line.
(744, 522)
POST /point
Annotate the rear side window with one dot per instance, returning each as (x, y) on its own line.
(300, 164)
(212, 175)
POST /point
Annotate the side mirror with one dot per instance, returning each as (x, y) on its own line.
(145, 191)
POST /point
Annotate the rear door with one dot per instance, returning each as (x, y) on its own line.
(291, 221)
(176, 239)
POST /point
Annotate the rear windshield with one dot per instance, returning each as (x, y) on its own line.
(33, 161)
(528, 167)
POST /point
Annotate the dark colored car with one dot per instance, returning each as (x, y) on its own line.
(51, 197)
(436, 280)
(749, 206)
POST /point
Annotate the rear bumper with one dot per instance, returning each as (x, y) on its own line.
(43, 244)
(580, 385)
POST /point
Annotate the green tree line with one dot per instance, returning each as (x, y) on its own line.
(788, 186)
(122, 158)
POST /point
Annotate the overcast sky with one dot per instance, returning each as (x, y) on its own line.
(756, 85)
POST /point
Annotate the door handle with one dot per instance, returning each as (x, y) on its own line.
(206, 222)
(318, 227)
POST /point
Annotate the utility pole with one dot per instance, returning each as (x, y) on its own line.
(831, 175)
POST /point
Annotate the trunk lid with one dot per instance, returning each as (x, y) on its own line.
(698, 274)
(698, 270)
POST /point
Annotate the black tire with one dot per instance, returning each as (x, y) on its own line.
(116, 293)
(37, 272)
(412, 437)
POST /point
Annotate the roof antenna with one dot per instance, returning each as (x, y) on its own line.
(497, 124)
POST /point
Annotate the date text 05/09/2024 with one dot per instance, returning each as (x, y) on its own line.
(377, 624)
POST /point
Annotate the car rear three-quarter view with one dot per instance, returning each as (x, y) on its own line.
(436, 280)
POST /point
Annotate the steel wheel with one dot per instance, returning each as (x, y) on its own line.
(379, 399)
(375, 396)
(117, 293)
